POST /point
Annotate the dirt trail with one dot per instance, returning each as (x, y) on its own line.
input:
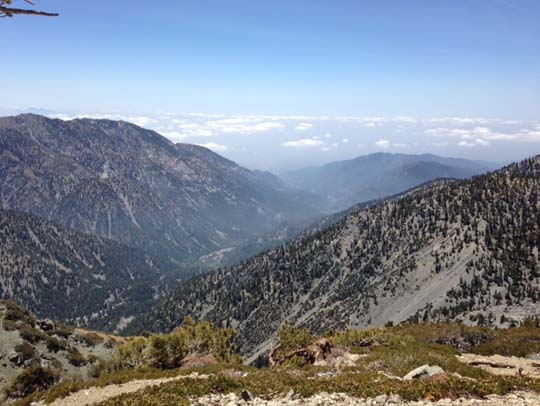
(94, 395)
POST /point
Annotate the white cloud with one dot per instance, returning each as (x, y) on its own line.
(345, 140)
(383, 144)
(142, 121)
(242, 125)
(174, 136)
(328, 135)
(482, 142)
(214, 147)
(304, 143)
(303, 126)
(483, 135)
(467, 144)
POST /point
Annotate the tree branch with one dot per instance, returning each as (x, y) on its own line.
(9, 12)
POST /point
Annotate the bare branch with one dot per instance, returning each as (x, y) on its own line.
(6, 11)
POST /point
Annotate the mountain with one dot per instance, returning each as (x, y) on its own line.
(378, 175)
(59, 273)
(115, 180)
(455, 250)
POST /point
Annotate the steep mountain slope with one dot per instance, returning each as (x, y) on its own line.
(63, 274)
(378, 175)
(119, 181)
(452, 250)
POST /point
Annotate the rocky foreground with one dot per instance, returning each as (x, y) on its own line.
(514, 399)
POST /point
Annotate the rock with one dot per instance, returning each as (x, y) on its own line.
(46, 325)
(425, 371)
(390, 376)
(233, 373)
(246, 396)
(290, 395)
(381, 399)
(198, 361)
(16, 359)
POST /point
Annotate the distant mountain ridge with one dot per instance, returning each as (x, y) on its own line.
(378, 175)
(116, 180)
(457, 250)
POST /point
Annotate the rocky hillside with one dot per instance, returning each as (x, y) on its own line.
(122, 182)
(378, 175)
(37, 353)
(454, 250)
(63, 274)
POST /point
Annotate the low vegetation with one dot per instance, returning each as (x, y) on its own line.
(384, 355)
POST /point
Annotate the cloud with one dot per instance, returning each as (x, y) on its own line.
(303, 126)
(241, 125)
(345, 140)
(214, 147)
(328, 135)
(174, 136)
(384, 144)
(304, 143)
(482, 135)
(482, 142)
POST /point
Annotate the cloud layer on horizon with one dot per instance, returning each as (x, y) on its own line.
(281, 142)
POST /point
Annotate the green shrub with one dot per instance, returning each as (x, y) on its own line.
(54, 344)
(62, 331)
(89, 339)
(130, 355)
(167, 351)
(75, 358)
(291, 339)
(9, 325)
(31, 334)
(358, 339)
(26, 351)
(18, 314)
(516, 341)
(31, 380)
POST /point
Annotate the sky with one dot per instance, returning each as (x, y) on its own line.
(283, 84)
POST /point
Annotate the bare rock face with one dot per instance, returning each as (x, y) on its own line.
(425, 371)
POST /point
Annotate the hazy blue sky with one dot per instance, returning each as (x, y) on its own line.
(425, 60)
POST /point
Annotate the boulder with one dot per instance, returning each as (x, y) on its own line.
(425, 371)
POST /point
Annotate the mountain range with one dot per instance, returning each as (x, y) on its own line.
(345, 183)
(109, 217)
(115, 180)
(453, 250)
